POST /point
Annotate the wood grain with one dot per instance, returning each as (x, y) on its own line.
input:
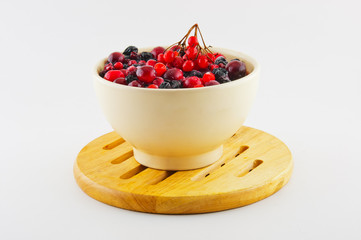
(254, 165)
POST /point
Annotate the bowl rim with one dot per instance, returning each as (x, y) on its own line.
(251, 60)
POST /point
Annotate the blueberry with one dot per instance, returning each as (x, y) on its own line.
(223, 79)
(130, 49)
(220, 59)
(146, 56)
(235, 59)
(165, 84)
(175, 84)
(130, 78)
(220, 73)
(102, 73)
(195, 73)
(125, 66)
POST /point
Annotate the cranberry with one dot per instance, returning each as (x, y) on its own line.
(178, 62)
(113, 74)
(118, 65)
(124, 72)
(151, 62)
(191, 82)
(156, 51)
(160, 68)
(116, 57)
(120, 80)
(131, 70)
(152, 86)
(199, 85)
(236, 69)
(211, 83)
(142, 62)
(146, 73)
(192, 41)
(169, 56)
(135, 83)
(188, 66)
(131, 62)
(208, 76)
(108, 67)
(173, 74)
(158, 81)
(133, 55)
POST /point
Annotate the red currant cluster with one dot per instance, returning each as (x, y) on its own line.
(179, 66)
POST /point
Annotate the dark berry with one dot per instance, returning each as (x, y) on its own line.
(195, 73)
(121, 80)
(220, 59)
(146, 73)
(173, 74)
(135, 84)
(175, 84)
(156, 51)
(130, 49)
(130, 78)
(236, 69)
(102, 73)
(116, 57)
(165, 85)
(211, 83)
(146, 56)
(223, 79)
(220, 73)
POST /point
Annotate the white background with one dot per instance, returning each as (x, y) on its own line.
(309, 97)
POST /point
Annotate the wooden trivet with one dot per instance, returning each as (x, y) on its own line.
(254, 165)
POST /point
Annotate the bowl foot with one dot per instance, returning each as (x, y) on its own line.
(178, 163)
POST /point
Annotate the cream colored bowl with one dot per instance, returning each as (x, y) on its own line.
(178, 129)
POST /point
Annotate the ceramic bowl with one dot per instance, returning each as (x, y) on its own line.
(178, 129)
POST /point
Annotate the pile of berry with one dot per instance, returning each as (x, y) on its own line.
(180, 66)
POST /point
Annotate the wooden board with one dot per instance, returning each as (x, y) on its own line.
(254, 166)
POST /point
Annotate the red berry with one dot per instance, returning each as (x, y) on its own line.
(178, 62)
(188, 66)
(216, 55)
(211, 57)
(173, 74)
(131, 62)
(135, 83)
(146, 73)
(192, 41)
(211, 83)
(118, 65)
(169, 56)
(199, 85)
(133, 55)
(160, 58)
(113, 74)
(160, 69)
(152, 86)
(208, 76)
(192, 53)
(191, 82)
(202, 61)
(131, 70)
(213, 66)
(124, 72)
(151, 62)
(116, 57)
(175, 48)
(156, 51)
(142, 62)
(120, 80)
(158, 81)
(108, 67)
